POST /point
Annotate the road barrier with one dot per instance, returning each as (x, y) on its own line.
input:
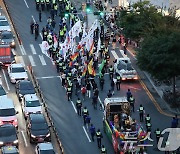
(38, 90)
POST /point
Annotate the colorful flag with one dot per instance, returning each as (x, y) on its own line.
(101, 66)
(91, 69)
(74, 56)
(91, 49)
(84, 71)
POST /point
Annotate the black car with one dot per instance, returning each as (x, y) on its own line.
(2, 91)
(38, 129)
(24, 87)
(8, 135)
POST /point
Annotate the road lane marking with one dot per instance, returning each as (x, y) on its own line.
(101, 102)
(86, 134)
(31, 61)
(6, 80)
(122, 53)
(73, 106)
(42, 60)
(33, 49)
(26, 4)
(130, 87)
(48, 77)
(22, 51)
(41, 36)
(114, 54)
(24, 138)
(33, 19)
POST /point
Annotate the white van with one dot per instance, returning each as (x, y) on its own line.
(7, 112)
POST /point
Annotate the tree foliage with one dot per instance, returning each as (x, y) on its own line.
(159, 54)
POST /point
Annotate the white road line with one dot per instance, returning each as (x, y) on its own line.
(73, 106)
(86, 134)
(101, 102)
(21, 60)
(114, 54)
(32, 61)
(6, 80)
(132, 54)
(42, 60)
(32, 49)
(26, 3)
(22, 51)
(122, 53)
(40, 45)
(41, 36)
(24, 138)
(48, 77)
(33, 19)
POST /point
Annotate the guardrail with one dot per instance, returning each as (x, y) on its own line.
(38, 89)
(13, 24)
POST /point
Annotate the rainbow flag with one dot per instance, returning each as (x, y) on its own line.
(74, 56)
(91, 49)
(84, 71)
(91, 69)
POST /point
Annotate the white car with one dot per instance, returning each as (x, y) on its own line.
(31, 104)
(43, 148)
(4, 25)
(17, 72)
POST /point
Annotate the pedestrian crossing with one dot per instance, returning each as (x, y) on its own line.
(35, 56)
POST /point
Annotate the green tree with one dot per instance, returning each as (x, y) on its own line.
(159, 54)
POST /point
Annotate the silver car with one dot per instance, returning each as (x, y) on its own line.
(4, 25)
(43, 148)
(6, 37)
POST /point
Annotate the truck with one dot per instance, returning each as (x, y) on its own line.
(118, 124)
(124, 68)
(7, 55)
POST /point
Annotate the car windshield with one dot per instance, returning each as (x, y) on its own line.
(7, 112)
(7, 36)
(7, 131)
(18, 69)
(26, 86)
(2, 91)
(4, 23)
(47, 152)
(35, 103)
(39, 126)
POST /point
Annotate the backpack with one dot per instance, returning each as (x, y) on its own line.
(83, 90)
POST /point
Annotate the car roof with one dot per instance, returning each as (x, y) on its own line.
(24, 82)
(45, 146)
(17, 65)
(7, 125)
(31, 97)
(37, 117)
(9, 149)
(6, 103)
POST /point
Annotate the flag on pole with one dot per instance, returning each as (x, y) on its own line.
(91, 49)
(76, 29)
(74, 56)
(91, 69)
(101, 66)
(84, 71)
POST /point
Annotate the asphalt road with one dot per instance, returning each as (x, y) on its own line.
(74, 137)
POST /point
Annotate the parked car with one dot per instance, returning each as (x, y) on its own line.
(38, 129)
(8, 135)
(4, 25)
(31, 104)
(9, 150)
(2, 91)
(6, 37)
(43, 148)
(17, 72)
(7, 112)
(24, 87)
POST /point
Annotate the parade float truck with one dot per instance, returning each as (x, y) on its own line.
(124, 68)
(119, 126)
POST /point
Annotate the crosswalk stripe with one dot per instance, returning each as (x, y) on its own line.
(122, 53)
(114, 54)
(31, 60)
(40, 45)
(32, 49)
(42, 59)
